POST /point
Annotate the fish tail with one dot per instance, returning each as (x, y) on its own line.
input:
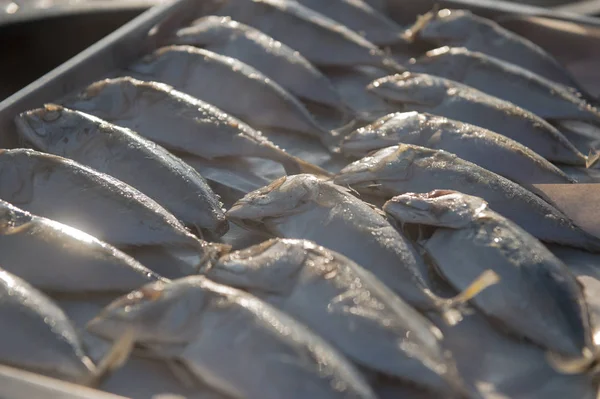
(592, 158)
(115, 358)
(579, 365)
(451, 311)
(392, 65)
(212, 252)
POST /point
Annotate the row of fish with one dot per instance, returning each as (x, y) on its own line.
(303, 199)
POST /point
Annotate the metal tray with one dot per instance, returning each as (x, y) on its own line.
(575, 40)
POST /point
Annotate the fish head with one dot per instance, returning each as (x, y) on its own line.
(168, 62)
(206, 31)
(268, 268)
(409, 89)
(440, 208)
(12, 219)
(159, 313)
(108, 99)
(285, 196)
(448, 62)
(369, 174)
(47, 127)
(387, 131)
(447, 27)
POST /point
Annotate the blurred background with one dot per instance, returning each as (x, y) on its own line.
(38, 35)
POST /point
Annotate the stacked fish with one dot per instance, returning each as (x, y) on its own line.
(384, 237)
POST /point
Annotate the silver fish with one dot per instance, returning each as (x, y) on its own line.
(507, 81)
(57, 258)
(444, 97)
(231, 340)
(218, 79)
(487, 149)
(537, 298)
(284, 65)
(344, 304)
(323, 41)
(70, 193)
(180, 122)
(352, 85)
(306, 207)
(462, 28)
(408, 168)
(360, 17)
(130, 158)
(37, 335)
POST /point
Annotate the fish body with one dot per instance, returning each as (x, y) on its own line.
(487, 149)
(323, 41)
(462, 28)
(179, 122)
(305, 207)
(232, 341)
(537, 297)
(360, 17)
(37, 335)
(444, 97)
(284, 65)
(217, 79)
(116, 213)
(57, 258)
(507, 81)
(407, 168)
(130, 158)
(344, 304)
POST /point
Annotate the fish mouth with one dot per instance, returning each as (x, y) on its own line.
(244, 215)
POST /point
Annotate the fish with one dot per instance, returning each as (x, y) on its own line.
(352, 85)
(323, 41)
(344, 304)
(234, 342)
(284, 65)
(110, 210)
(538, 297)
(462, 28)
(507, 81)
(405, 168)
(130, 158)
(38, 337)
(306, 207)
(361, 18)
(444, 97)
(180, 122)
(482, 147)
(217, 79)
(56, 258)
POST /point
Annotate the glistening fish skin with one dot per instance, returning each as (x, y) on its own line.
(284, 65)
(321, 40)
(408, 168)
(487, 149)
(462, 28)
(360, 17)
(305, 207)
(68, 192)
(57, 258)
(444, 97)
(218, 79)
(234, 342)
(179, 122)
(344, 304)
(507, 81)
(537, 296)
(37, 335)
(130, 158)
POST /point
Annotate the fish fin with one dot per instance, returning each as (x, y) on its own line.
(592, 158)
(116, 357)
(452, 314)
(181, 374)
(393, 66)
(566, 365)
(296, 166)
